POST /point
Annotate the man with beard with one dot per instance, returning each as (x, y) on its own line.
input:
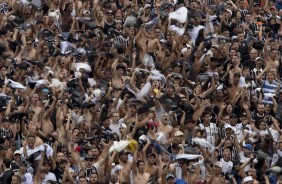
(48, 175)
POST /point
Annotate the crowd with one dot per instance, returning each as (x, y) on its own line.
(140, 91)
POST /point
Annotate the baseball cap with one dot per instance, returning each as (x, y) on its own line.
(147, 6)
(247, 179)
(110, 12)
(228, 126)
(218, 164)
(248, 147)
(178, 133)
(169, 176)
(229, 11)
(17, 152)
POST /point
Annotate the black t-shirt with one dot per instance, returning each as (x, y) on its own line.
(6, 177)
(59, 174)
(251, 64)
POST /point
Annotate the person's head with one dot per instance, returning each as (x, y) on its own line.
(122, 128)
(252, 172)
(236, 78)
(247, 149)
(114, 178)
(110, 16)
(217, 167)
(240, 37)
(82, 180)
(261, 124)
(242, 4)
(6, 123)
(30, 141)
(170, 89)
(141, 166)
(81, 135)
(274, 54)
(94, 152)
(60, 157)
(93, 178)
(151, 159)
(226, 152)
(260, 108)
(267, 108)
(193, 5)
(170, 179)
(47, 166)
(253, 54)
(178, 137)
(206, 116)
(236, 59)
(16, 179)
(233, 119)
(69, 7)
(228, 129)
(248, 18)
(123, 156)
(115, 117)
(6, 163)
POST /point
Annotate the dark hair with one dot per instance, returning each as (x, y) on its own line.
(139, 161)
(30, 135)
(7, 162)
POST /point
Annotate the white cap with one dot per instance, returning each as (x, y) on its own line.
(218, 164)
(229, 11)
(17, 152)
(228, 126)
(147, 6)
(184, 50)
(247, 179)
(178, 133)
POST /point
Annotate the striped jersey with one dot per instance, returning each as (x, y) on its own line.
(268, 87)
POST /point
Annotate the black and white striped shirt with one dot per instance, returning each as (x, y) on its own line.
(121, 40)
(6, 133)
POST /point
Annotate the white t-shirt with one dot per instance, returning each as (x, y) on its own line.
(27, 179)
(49, 176)
(115, 127)
(244, 159)
(49, 151)
(226, 166)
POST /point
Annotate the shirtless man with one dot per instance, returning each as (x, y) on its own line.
(215, 177)
(165, 128)
(234, 89)
(138, 171)
(47, 125)
(126, 165)
(35, 106)
(150, 166)
(29, 52)
(272, 62)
